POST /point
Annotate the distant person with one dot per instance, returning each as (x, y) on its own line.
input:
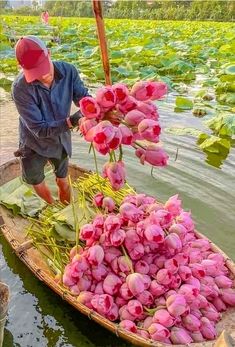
(43, 93)
(45, 17)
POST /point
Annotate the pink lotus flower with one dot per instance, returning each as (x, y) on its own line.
(113, 313)
(87, 231)
(129, 105)
(153, 155)
(102, 303)
(130, 212)
(149, 109)
(134, 117)
(182, 258)
(106, 97)
(223, 281)
(125, 292)
(146, 298)
(121, 91)
(125, 314)
(95, 255)
(197, 270)
(149, 130)
(120, 301)
(185, 219)
(103, 133)
(111, 252)
(142, 90)
(207, 329)
(89, 107)
(180, 336)
(191, 322)
(115, 172)
(112, 284)
(176, 305)
(116, 140)
(228, 296)
(84, 284)
(135, 308)
(164, 277)
(117, 237)
(85, 299)
(185, 272)
(189, 291)
(135, 282)
(154, 233)
(173, 242)
(108, 204)
(142, 267)
(85, 127)
(127, 135)
(172, 265)
(137, 251)
(128, 325)
(164, 318)
(158, 332)
(159, 90)
(99, 272)
(98, 199)
(173, 205)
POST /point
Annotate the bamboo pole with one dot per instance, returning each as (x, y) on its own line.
(4, 299)
(97, 8)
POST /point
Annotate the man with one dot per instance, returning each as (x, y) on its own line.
(43, 93)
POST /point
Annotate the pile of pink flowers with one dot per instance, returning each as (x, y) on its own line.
(144, 268)
(117, 117)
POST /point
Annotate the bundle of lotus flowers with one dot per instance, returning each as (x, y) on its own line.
(143, 267)
(118, 116)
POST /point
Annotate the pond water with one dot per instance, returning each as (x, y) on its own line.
(37, 317)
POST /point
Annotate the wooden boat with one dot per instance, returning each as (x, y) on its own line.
(13, 228)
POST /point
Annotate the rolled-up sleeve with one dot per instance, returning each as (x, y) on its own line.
(79, 90)
(33, 118)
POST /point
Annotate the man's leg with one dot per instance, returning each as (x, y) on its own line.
(64, 190)
(44, 192)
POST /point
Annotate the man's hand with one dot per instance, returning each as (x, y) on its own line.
(74, 119)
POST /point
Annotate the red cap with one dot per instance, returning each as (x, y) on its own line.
(32, 55)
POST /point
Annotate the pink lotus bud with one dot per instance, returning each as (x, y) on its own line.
(74, 251)
(95, 255)
(137, 252)
(185, 219)
(185, 272)
(164, 318)
(89, 107)
(127, 135)
(202, 244)
(106, 97)
(111, 253)
(210, 267)
(149, 129)
(223, 281)
(142, 90)
(147, 281)
(129, 105)
(85, 299)
(156, 289)
(153, 269)
(194, 282)
(207, 329)
(113, 313)
(228, 296)
(128, 325)
(108, 204)
(197, 270)
(172, 265)
(159, 90)
(125, 314)
(120, 301)
(154, 233)
(211, 313)
(117, 237)
(203, 303)
(153, 155)
(86, 126)
(99, 272)
(115, 172)
(143, 333)
(164, 277)
(103, 132)
(116, 140)
(68, 280)
(130, 212)
(176, 305)
(102, 303)
(189, 291)
(191, 322)
(162, 217)
(135, 282)
(134, 117)
(142, 267)
(173, 205)
(182, 258)
(75, 290)
(175, 282)
(135, 308)
(125, 292)
(161, 301)
(158, 332)
(121, 92)
(146, 298)
(99, 288)
(112, 284)
(124, 264)
(147, 322)
(84, 284)
(180, 336)
(219, 304)
(149, 109)
(178, 229)
(217, 257)
(86, 232)
(197, 336)
(172, 241)
(98, 199)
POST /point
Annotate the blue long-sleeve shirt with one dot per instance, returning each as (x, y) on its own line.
(43, 111)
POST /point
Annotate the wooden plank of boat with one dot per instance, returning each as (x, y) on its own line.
(13, 228)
